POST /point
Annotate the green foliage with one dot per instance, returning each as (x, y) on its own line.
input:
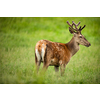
(18, 37)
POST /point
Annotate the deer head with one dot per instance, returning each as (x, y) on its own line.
(79, 38)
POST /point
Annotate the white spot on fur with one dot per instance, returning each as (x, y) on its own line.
(80, 35)
(38, 55)
(60, 62)
(41, 40)
(43, 52)
(52, 60)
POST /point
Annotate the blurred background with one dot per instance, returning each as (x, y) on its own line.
(19, 35)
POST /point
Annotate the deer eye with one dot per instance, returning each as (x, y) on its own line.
(80, 36)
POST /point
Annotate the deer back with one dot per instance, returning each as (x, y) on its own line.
(56, 53)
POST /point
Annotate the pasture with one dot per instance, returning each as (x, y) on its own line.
(18, 37)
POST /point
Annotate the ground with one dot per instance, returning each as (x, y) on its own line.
(18, 37)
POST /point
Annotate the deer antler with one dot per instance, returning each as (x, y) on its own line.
(82, 27)
(73, 23)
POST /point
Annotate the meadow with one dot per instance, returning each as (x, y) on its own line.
(19, 35)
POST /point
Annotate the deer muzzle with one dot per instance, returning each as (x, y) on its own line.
(88, 45)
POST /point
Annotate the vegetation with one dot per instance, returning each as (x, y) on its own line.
(18, 37)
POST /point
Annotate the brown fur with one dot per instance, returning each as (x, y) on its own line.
(58, 54)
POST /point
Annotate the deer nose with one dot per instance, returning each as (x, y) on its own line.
(89, 44)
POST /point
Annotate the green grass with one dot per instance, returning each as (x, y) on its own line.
(18, 37)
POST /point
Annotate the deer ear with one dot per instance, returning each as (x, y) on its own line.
(71, 31)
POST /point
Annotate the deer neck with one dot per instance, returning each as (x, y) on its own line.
(73, 46)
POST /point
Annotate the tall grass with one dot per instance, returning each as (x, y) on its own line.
(18, 37)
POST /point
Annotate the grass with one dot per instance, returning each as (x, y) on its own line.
(18, 37)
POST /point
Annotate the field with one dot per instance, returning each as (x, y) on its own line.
(18, 37)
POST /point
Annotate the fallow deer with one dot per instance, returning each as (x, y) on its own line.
(59, 54)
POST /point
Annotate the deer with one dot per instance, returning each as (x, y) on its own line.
(59, 54)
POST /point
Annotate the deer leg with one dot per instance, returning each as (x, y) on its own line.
(45, 65)
(44, 68)
(62, 69)
(56, 68)
(37, 64)
(47, 60)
